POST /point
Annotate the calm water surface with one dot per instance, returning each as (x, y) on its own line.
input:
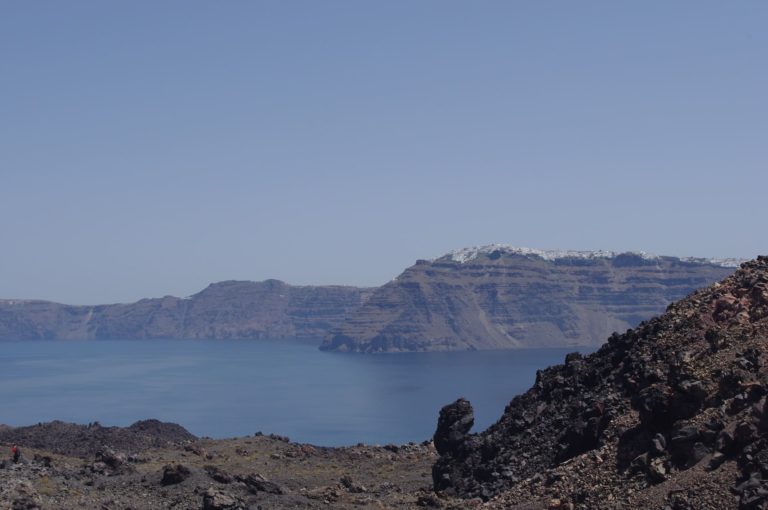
(223, 389)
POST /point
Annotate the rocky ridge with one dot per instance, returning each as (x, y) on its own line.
(231, 309)
(670, 415)
(78, 440)
(498, 297)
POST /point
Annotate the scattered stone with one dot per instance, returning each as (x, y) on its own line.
(716, 461)
(197, 450)
(25, 497)
(217, 500)
(429, 501)
(219, 475)
(351, 486)
(174, 474)
(257, 483)
(113, 460)
(658, 445)
(657, 471)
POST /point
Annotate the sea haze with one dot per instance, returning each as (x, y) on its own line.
(230, 388)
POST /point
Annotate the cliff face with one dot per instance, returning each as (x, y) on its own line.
(501, 297)
(232, 309)
(488, 298)
(672, 414)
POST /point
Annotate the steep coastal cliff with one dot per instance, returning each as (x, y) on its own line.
(498, 297)
(494, 297)
(231, 309)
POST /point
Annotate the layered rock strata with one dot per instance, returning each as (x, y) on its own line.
(500, 297)
(231, 309)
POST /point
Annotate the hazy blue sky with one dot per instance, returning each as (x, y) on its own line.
(149, 148)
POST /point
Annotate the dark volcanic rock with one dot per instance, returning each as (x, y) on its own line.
(110, 462)
(454, 423)
(257, 483)
(219, 475)
(87, 440)
(662, 402)
(231, 309)
(239, 473)
(175, 473)
(499, 297)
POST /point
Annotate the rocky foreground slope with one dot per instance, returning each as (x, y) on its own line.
(499, 297)
(153, 465)
(231, 309)
(670, 415)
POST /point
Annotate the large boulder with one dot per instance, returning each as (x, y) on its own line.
(453, 425)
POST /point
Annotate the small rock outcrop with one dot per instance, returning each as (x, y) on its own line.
(453, 425)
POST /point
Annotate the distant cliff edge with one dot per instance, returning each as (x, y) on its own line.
(491, 297)
(230, 309)
(499, 296)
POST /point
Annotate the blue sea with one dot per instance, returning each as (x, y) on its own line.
(235, 388)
